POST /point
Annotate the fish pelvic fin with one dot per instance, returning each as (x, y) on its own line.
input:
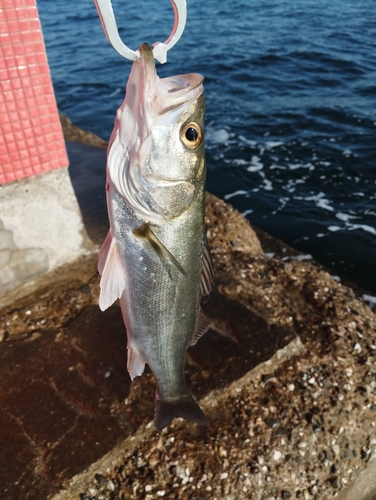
(184, 407)
(145, 233)
(112, 282)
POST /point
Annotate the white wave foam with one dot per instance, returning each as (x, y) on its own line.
(344, 217)
(217, 136)
(238, 162)
(369, 298)
(273, 144)
(324, 204)
(353, 227)
(246, 212)
(279, 167)
(268, 186)
(307, 256)
(255, 165)
(295, 166)
(319, 200)
(364, 227)
(235, 193)
(248, 141)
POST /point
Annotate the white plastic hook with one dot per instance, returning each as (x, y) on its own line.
(107, 17)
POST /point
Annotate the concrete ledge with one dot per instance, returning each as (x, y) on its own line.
(41, 228)
(364, 487)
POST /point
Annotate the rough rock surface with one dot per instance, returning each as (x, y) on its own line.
(286, 376)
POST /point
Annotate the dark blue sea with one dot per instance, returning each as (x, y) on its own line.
(291, 107)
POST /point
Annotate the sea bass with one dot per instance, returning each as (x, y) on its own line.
(155, 257)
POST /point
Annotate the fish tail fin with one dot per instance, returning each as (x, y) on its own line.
(184, 407)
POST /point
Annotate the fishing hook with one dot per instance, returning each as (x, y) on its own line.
(107, 17)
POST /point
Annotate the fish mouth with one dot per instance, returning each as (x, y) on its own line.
(170, 92)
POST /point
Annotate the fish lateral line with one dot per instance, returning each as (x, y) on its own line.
(145, 233)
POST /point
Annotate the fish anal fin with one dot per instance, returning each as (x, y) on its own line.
(207, 275)
(145, 233)
(112, 283)
(184, 407)
(135, 365)
(202, 326)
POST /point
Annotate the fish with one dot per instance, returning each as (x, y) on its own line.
(155, 257)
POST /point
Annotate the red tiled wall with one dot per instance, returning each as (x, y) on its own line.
(31, 139)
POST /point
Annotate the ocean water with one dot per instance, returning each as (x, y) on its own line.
(291, 107)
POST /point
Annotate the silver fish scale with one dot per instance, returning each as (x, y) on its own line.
(160, 304)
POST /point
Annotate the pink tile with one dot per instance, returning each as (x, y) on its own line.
(19, 136)
(3, 73)
(16, 38)
(6, 128)
(23, 25)
(6, 86)
(14, 156)
(21, 59)
(29, 92)
(12, 27)
(34, 25)
(17, 83)
(25, 38)
(29, 171)
(29, 133)
(23, 114)
(38, 46)
(18, 95)
(36, 83)
(13, 73)
(24, 154)
(29, 47)
(31, 59)
(33, 69)
(7, 96)
(5, 38)
(31, 137)
(10, 14)
(13, 116)
(9, 137)
(33, 151)
(18, 49)
(8, 51)
(41, 57)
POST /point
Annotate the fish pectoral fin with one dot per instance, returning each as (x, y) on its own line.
(112, 282)
(145, 233)
(184, 407)
(207, 274)
(202, 326)
(103, 252)
(135, 365)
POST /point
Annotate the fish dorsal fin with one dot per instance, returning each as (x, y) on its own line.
(145, 233)
(202, 326)
(135, 365)
(112, 282)
(207, 277)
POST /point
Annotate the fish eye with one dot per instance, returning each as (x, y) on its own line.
(191, 135)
